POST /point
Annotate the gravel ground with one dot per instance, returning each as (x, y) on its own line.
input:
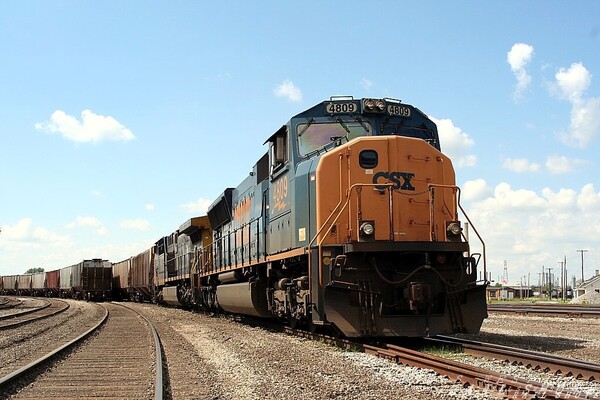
(576, 338)
(23, 344)
(217, 358)
(28, 303)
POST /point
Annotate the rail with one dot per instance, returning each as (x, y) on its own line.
(494, 382)
(29, 367)
(8, 324)
(580, 369)
(100, 357)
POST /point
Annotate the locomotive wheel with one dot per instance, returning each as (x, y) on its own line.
(294, 322)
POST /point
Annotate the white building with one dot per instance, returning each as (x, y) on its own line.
(591, 285)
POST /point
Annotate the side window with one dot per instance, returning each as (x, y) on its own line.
(279, 150)
(368, 159)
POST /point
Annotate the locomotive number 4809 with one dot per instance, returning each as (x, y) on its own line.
(341, 108)
(395, 109)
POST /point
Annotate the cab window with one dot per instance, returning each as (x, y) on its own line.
(316, 136)
(278, 149)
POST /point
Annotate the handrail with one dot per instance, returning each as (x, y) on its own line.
(339, 213)
(457, 194)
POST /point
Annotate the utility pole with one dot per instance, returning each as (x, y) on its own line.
(582, 251)
(565, 280)
(550, 282)
(543, 280)
(561, 273)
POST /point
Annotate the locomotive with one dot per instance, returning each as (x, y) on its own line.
(349, 221)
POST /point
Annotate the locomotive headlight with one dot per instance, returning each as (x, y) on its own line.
(369, 104)
(454, 229)
(374, 105)
(367, 228)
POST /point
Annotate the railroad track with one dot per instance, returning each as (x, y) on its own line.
(4, 301)
(496, 383)
(121, 358)
(563, 310)
(9, 302)
(579, 369)
(49, 309)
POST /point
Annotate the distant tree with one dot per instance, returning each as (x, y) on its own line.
(34, 270)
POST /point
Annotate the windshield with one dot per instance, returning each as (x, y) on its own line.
(314, 136)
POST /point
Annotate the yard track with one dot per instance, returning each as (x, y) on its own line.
(560, 310)
(120, 358)
(50, 308)
(579, 369)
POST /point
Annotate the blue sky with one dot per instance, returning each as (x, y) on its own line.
(121, 120)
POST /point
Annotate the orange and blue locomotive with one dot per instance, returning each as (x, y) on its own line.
(350, 220)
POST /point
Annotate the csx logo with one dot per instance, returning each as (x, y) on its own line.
(401, 180)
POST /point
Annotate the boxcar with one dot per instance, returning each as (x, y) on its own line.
(121, 278)
(142, 276)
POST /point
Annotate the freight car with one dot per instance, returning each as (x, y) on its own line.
(141, 276)
(24, 285)
(9, 284)
(350, 220)
(52, 283)
(121, 279)
(38, 284)
(89, 279)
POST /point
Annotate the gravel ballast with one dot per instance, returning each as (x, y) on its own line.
(218, 358)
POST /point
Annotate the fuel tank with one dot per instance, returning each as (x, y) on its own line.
(248, 298)
(170, 296)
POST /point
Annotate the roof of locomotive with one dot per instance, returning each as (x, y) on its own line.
(385, 109)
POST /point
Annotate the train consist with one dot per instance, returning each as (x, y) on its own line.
(350, 220)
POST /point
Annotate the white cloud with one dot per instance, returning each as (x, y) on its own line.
(150, 207)
(91, 128)
(475, 190)
(88, 222)
(198, 207)
(589, 199)
(561, 165)
(135, 224)
(530, 229)
(455, 143)
(571, 85)
(518, 57)
(366, 83)
(24, 231)
(573, 82)
(520, 165)
(505, 198)
(289, 90)
(585, 123)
